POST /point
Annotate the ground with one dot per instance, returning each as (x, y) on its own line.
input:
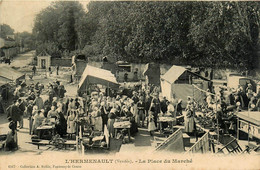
(141, 143)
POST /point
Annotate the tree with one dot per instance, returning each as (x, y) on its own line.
(60, 24)
(226, 33)
(6, 30)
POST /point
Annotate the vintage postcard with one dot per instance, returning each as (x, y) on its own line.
(129, 84)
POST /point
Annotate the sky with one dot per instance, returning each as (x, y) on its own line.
(20, 14)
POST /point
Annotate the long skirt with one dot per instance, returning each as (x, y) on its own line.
(151, 126)
(189, 124)
(98, 123)
(141, 115)
(71, 127)
(135, 113)
(110, 126)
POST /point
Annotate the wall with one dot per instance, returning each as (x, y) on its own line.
(62, 62)
(163, 68)
(11, 52)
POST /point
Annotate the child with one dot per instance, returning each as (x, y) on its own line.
(71, 124)
(151, 124)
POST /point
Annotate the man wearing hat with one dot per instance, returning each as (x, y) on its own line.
(38, 101)
(21, 106)
(13, 112)
(157, 107)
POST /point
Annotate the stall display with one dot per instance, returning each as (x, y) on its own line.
(123, 125)
(167, 119)
(249, 123)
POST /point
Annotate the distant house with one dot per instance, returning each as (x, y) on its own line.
(8, 74)
(8, 47)
(43, 60)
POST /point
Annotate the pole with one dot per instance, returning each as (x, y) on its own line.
(217, 119)
(193, 113)
(108, 89)
(248, 129)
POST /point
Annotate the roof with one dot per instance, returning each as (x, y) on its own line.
(3, 81)
(173, 73)
(44, 53)
(176, 71)
(9, 73)
(94, 75)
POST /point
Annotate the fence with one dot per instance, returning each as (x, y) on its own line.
(62, 62)
(201, 146)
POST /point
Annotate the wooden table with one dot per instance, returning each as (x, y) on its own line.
(162, 119)
(43, 128)
(123, 125)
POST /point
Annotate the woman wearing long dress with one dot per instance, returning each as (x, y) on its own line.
(31, 119)
(104, 114)
(37, 121)
(97, 119)
(151, 124)
(71, 124)
(111, 121)
(189, 121)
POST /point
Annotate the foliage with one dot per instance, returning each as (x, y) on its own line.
(25, 39)
(61, 24)
(5, 30)
(210, 34)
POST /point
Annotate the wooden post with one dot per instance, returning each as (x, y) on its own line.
(248, 129)
(81, 141)
(237, 128)
(217, 120)
(108, 89)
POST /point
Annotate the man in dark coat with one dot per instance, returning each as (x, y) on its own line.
(21, 106)
(164, 105)
(13, 112)
(157, 107)
(164, 109)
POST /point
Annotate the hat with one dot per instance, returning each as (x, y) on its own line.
(113, 110)
(117, 97)
(179, 101)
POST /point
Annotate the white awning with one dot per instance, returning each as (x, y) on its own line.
(94, 75)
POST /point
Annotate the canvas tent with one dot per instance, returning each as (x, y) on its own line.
(7, 73)
(178, 82)
(94, 75)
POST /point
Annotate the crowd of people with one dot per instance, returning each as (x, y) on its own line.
(219, 107)
(141, 107)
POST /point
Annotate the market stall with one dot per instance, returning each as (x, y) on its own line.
(249, 123)
(178, 82)
(94, 75)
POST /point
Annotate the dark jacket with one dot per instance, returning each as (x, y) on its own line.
(14, 112)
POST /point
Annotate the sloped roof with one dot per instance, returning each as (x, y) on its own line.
(94, 75)
(44, 53)
(176, 71)
(173, 73)
(9, 73)
(4, 81)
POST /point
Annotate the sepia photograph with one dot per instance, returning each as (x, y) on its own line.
(129, 84)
